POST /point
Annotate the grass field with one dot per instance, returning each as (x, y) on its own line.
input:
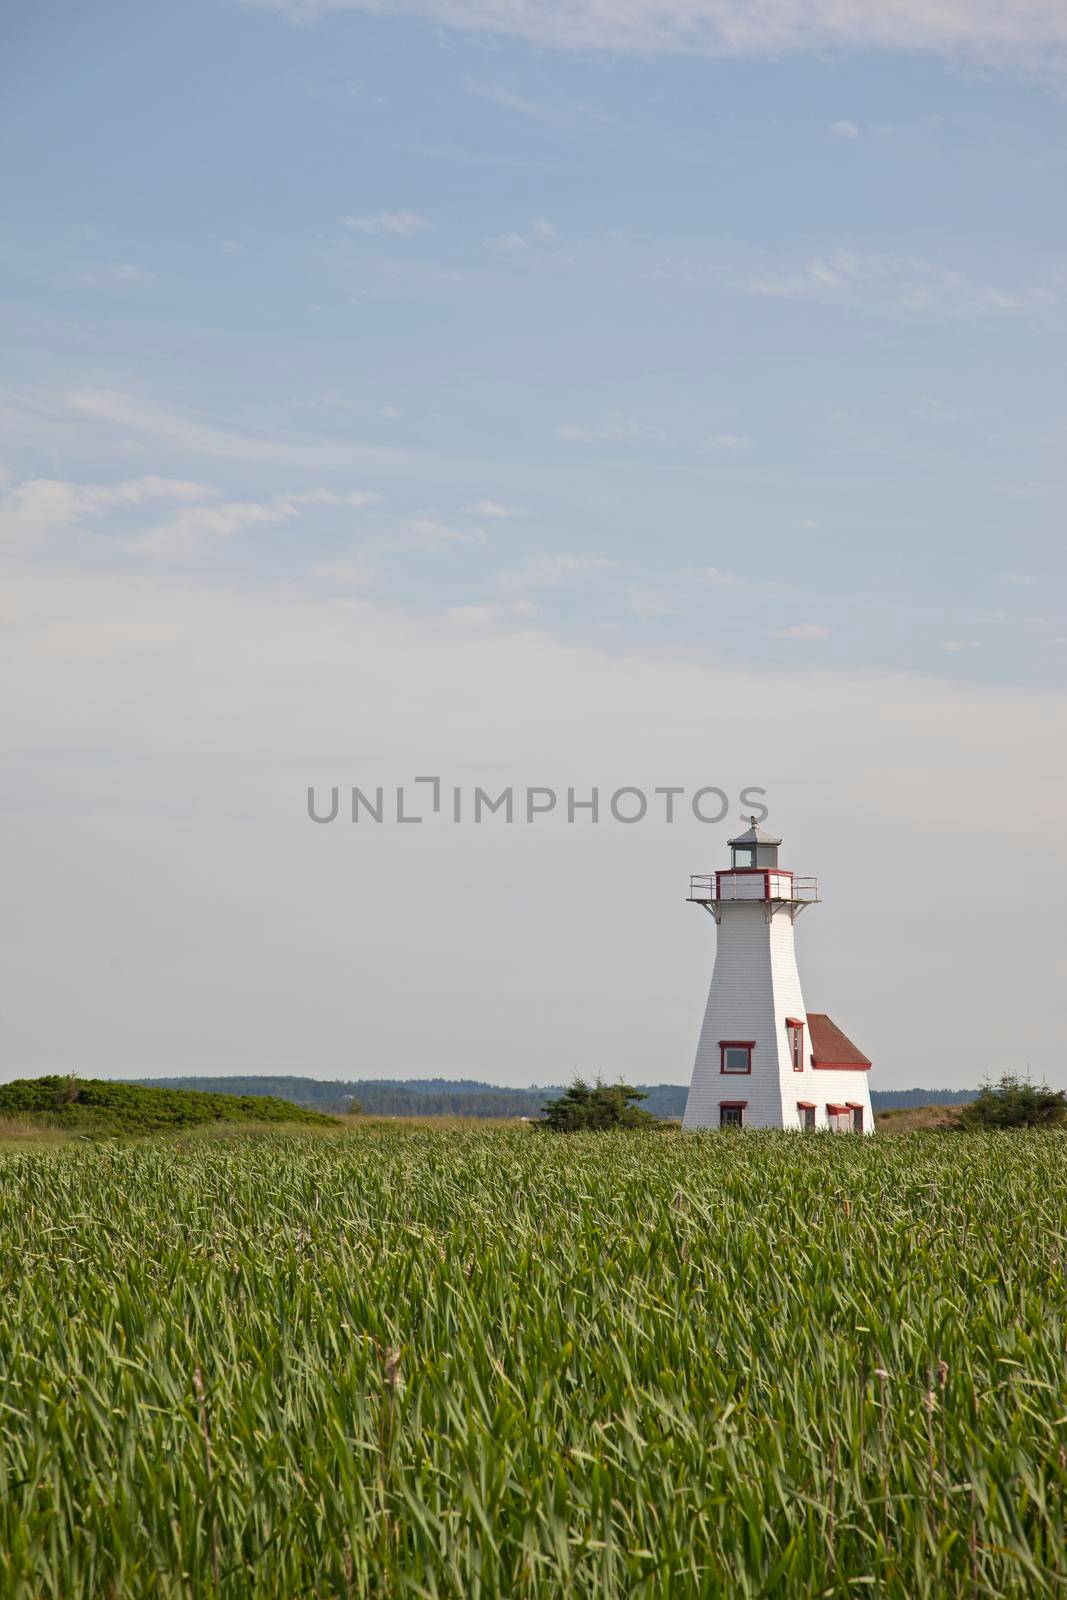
(493, 1362)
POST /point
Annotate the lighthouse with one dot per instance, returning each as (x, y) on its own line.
(763, 1061)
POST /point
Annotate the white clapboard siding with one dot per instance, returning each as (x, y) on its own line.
(755, 989)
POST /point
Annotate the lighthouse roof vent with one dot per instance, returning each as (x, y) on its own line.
(754, 835)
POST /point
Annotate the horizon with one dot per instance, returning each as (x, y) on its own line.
(633, 398)
(479, 1083)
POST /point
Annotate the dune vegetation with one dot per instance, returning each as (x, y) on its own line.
(108, 1107)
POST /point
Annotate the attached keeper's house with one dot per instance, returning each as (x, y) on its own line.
(763, 1061)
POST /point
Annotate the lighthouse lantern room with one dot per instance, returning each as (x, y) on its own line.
(763, 1061)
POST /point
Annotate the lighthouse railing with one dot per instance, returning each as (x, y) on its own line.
(712, 888)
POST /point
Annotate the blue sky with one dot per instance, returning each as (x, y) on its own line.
(794, 320)
(527, 351)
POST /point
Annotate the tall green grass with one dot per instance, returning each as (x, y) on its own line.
(496, 1363)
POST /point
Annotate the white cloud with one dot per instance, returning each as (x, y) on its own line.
(845, 130)
(895, 285)
(492, 508)
(651, 604)
(1031, 32)
(106, 405)
(425, 533)
(928, 410)
(329, 497)
(730, 442)
(323, 402)
(181, 433)
(507, 100)
(541, 232)
(1021, 580)
(954, 645)
(716, 575)
(546, 571)
(181, 535)
(613, 428)
(354, 573)
(392, 224)
(123, 272)
(804, 630)
(494, 615)
(40, 507)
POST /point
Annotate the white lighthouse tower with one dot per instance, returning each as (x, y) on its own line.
(763, 1061)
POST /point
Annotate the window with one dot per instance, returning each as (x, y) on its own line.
(796, 1042)
(839, 1118)
(731, 1113)
(806, 1112)
(735, 1055)
(857, 1118)
(744, 856)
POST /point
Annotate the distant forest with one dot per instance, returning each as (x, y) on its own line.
(466, 1097)
(413, 1097)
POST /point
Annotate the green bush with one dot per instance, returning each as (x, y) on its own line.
(1014, 1102)
(591, 1106)
(97, 1106)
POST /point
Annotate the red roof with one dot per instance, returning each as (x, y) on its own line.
(830, 1047)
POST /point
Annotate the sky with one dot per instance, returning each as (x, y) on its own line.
(619, 393)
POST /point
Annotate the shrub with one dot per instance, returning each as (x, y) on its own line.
(1014, 1102)
(591, 1106)
(117, 1107)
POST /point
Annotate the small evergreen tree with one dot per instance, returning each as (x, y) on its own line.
(599, 1105)
(1014, 1102)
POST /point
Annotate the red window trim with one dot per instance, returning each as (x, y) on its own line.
(835, 1110)
(795, 1029)
(807, 1105)
(735, 1044)
(855, 1105)
(740, 1106)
